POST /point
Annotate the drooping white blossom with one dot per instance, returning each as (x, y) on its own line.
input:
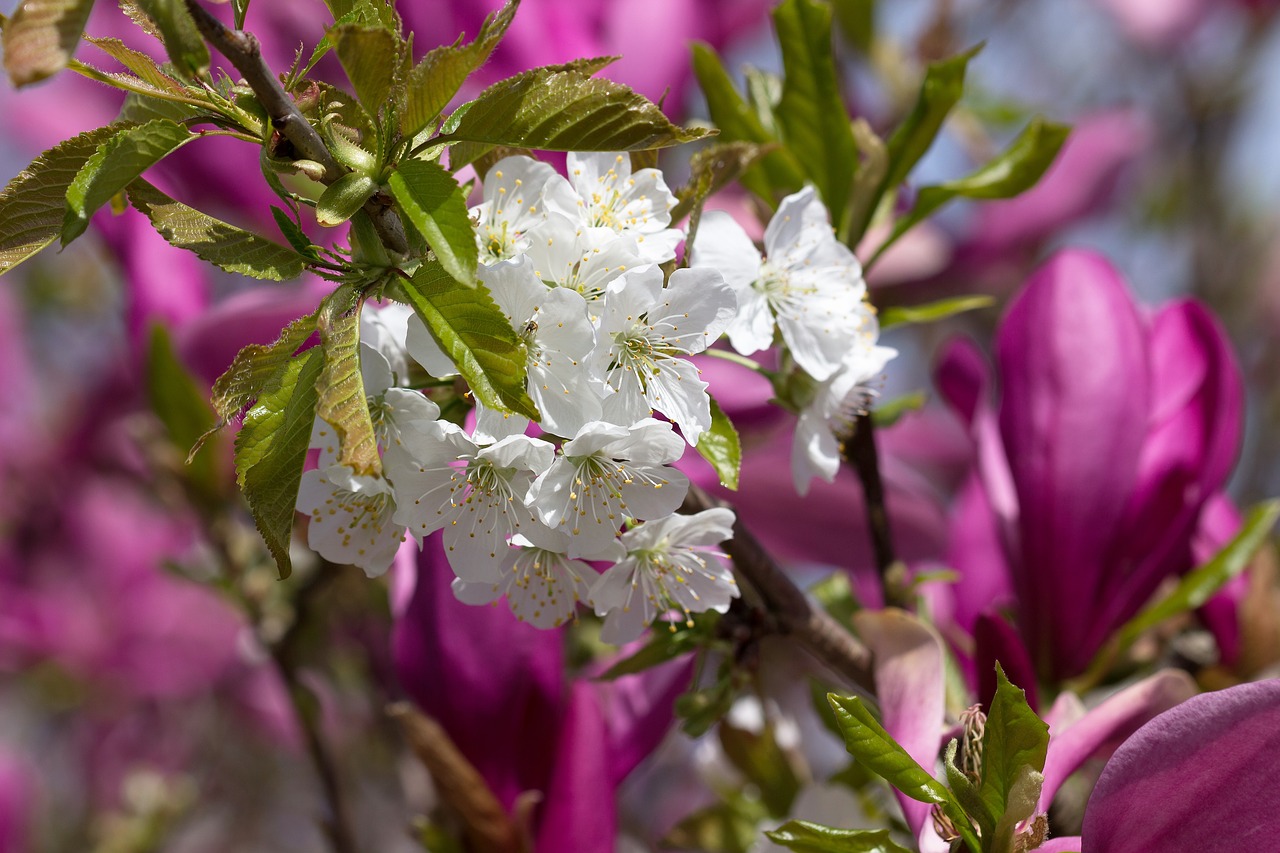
(518, 193)
(808, 283)
(635, 205)
(672, 562)
(646, 333)
(837, 402)
(543, 585)
(478, 495)
(559, 338)
(352, 515)
(606, 474)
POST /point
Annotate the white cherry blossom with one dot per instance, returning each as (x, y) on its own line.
(518, 193)
(673, 562)
(567, 254)
(645, 333)
(636, 205)
(559, 338)
(542, 583)
(837, 401)
(606, 474)
(808, 283)
(478, 495)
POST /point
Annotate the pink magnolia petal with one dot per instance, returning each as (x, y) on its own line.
(1197, 779)
(1104, 727)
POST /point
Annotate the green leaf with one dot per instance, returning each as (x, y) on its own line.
(143, 66)
(729, 826)
(966, 793)
(868, 742)
(805, 837)
(292, 232)
(941, 90)
(472, 330)
(663, 646)
(254, 367)
(887, 414)
(41, 37)
(812, 114)
(140, 108)
(1014, 171)
(857, 20)
(32, 205)
(369, 55)
(180, 403)
(436, 79)
(182, 40)
(1197, 586)
(1015, 738)
(342, 198)
(932, 312)
(764, 763)
(1021, 803)
(239, 8)
(720, 446)
(223, 245)
(436, 206)
(271, 449)
(341, 399)
(562, 108)
(778, 173)
(115, 165)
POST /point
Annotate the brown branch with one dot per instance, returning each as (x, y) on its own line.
(459, 785)
(245, 53)
(860, 452)
(795, 616)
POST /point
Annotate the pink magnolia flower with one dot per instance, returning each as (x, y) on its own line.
(1112, 431)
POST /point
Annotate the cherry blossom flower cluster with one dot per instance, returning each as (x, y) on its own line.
(573, 263)
(576, 265)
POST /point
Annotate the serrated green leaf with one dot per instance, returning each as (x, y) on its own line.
(939, 92)
(369, 55)
(140, 108)
(115, 165)
(32, 205)
(341, 399)
(1014, 171)
(1199, 585)
(868, 742)
(812, 114)
(436, 79)
(252, 369)
(714, 168)
(41, 37)
(342, 198)
(1015, 738)
(720, 446)
(436, 207)
(777, 173)
(239, 8)
(225, 246)
(182, 40)
(562, 108)
(932, 312)
(180, 403)
(803, 836)
(143, 66)
(271, 449)
(472, 330)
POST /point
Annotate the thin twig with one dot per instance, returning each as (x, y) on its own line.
(795, 616)
(860, 451)
(245, 53)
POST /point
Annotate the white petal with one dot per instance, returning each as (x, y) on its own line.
(423, 348)
(722, 245)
